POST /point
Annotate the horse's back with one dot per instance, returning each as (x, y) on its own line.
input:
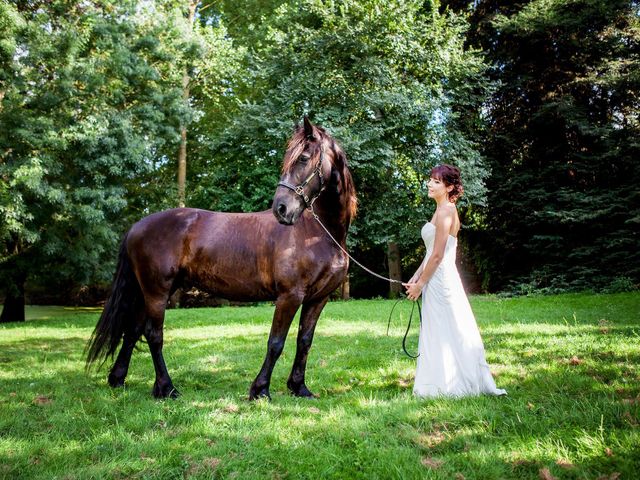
(188, 229)
(227, 254)
(239, 256)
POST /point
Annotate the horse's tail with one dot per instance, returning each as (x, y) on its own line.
(120, 308)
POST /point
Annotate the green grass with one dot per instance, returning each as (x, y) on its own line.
(571, 365)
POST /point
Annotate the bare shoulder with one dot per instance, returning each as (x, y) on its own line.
(447, 213)
(447, 219)
(451, 209)
(455, 216)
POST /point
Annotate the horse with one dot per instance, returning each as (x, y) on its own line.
(281, 255)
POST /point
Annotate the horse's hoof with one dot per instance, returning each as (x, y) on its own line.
(258, 396)
(115, 382)
(300, 391)
(258, 393)
(165, 391)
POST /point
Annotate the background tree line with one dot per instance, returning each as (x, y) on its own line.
(536, 101)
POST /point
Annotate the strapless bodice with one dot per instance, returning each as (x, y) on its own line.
(428, 234)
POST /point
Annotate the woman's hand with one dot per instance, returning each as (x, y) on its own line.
(414, 290)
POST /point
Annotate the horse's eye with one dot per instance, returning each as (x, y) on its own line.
(304, 158)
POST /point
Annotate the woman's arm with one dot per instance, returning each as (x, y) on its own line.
(444, 221)
(418, 271)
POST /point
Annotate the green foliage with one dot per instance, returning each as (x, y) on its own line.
(388, 79)
(570, 364)
(10, 23)
(89, 101)
(563, 203)
(206, 53)
(621, 284)
(91, 104)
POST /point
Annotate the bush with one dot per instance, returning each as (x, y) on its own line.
(620, 284)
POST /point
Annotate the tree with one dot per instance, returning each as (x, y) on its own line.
(85, 109)
(385, 78)
(563, 204)
(209, 68)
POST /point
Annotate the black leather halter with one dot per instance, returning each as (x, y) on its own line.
(299, 189)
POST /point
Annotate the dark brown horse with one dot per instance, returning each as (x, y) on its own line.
(281, 255)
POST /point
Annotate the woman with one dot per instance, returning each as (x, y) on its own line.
(451, 361)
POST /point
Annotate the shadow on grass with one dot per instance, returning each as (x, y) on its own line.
(348, 361)
(81, 320)
(60, 420)
(124, 434)
(66, 317)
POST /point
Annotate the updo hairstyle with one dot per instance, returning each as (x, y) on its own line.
(450, 176)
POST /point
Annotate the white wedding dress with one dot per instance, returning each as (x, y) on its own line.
(452, 361)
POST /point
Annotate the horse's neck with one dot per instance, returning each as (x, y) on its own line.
(333, 214)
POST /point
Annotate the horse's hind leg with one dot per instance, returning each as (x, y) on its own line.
(131, 336)
(286, 308)
(163, 386)
(308, 320)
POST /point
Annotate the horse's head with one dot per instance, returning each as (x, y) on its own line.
(313, 162)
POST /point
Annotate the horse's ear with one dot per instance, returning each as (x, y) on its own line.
(308, 128)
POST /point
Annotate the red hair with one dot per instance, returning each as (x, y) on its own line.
(450, 176)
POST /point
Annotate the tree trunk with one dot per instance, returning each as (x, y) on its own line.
(345, 288)
(182, 154)
(395, 270)
(182, 166)
(13, 310)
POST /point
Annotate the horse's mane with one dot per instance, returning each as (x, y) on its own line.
(295, 148)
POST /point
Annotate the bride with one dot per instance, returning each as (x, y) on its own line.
(452, 361)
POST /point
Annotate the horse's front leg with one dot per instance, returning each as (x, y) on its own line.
(308, 320)
(286, 307)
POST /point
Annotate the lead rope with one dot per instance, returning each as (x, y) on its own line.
(404, 339)
(347, 253)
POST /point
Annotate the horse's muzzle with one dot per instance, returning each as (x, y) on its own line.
(280, 212)
(287, 210)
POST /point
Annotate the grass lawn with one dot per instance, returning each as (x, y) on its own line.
(571, 365)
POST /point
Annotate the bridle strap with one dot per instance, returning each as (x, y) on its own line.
(299, 189)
